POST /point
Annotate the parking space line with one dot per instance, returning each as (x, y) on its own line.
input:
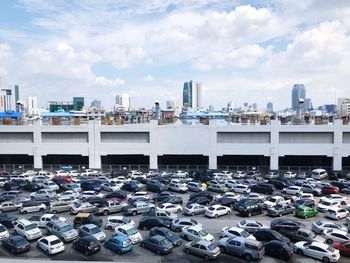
(4, 252)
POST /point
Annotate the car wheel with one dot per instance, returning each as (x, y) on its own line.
(228, 212)
(119, 252)
(326, 260)
(41, 209)
(248, 257)
(105, 212)
(54, 212)
(206, 257)
(280, 214)
(109, 228)
(223, 249)
(244, 192)
(249, 214)
(329, 241)
(142, 245)
(25, 212)
(152, 209)
(1, 211)
(179, 210)
(187, 250)
(134, 213)
(300, 252)
(338, 218)
(86, 252)
(192, 214)
(144, 228)
(158, 252)
(177, 230)
(216, 215)
(186, 238)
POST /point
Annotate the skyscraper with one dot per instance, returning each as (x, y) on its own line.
(96, 104)
(192, 95)
(32, 105)
(298, 92)
(78, 103)
(269, 107)
(123, 100)
(17, 97)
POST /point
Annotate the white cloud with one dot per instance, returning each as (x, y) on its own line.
(102, 81)
(148, 78)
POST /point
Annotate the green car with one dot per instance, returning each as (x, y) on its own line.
(305, 212)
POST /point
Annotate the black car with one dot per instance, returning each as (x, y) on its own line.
(279, 223)
(263, 188)
(119, 196)
(95, 200)
(249, 208)
(7, 220)
(16, 244)
(59, 181)
(305, 202)
(225, 201)
(340, 185)
(162, 196)
(267, 235)
(168, 234)
(88, 245)
(206, 194)
(172, 200)
(141, 179)
(279, 250)
(148, 222)
(202, 200)
(131, 187)
(157, 244)
(160, 179)
(31, 187)
(20, 182)
(279, 183)
(11, 185)
(155, 186)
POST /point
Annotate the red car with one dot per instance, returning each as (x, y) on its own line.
(344, 248)
(330, 190)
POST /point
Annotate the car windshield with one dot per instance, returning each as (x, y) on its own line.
(55, 242)
(95, 230)
(2, 228)
(312, 234)
(319, 223)
(326, 203)
(21, 242)
(131, 231)
(30, 227)
(55, 217)
(164, 242)
(169, 234)
(203, 233)
(245, 234)
(211, 247)
(126, 220)
(66, 228)
(211, 208)
(126, 243)
(272, 199)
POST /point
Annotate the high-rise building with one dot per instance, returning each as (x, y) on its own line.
(171, 104)
(298, 92)
(192, 95)
(32, 105)
(269, 107)
(17, 98)
(78, 103)
(307, 104)
(58, 106)
(343, 107)
(123, 100)
(96, 104)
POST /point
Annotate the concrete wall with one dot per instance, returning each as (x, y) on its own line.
(95, 140)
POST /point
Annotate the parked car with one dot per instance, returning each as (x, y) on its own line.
(93, 230)
(172, 208)
(168, 234)
(195, 233)
(267, 235)
(277, 224)
(8, 207)
(337, 213)
(88, 245)
(321, 226)
(202, 248)
(114, 221)
(16, 244)
(331, 189)
(301, 234)
(7, 220)
(251, 226)
(62, 230)
(85, 207)
(138, 208)
(50, 244)
(86, 218)
(149, 222)
(157, 244)
(304, 202)
(194, 209)
(241, 188)
(119, 244)
(59, 206)
(178, 224)
(305, 212)
(336, 235)
(292, 190)
(249, 208)
(27, 229)
(235, 232)
(263, 188)
(325, 204)
(289, 175)
(279, 250)
(344, 248)
(31, 207)
(128, 231)
(248, 248)
(317, 250)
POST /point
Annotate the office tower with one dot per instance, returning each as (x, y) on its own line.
(307, 104)
(211, 108)
(59, 106)
(96, 104)
(170, 104)
(6, 95)
(343, 107)
(123, 100)
(32, 105)
(269, 107)
(78, 103)
(255, 106)
(192, 95)
(298, 92)
(17, 98)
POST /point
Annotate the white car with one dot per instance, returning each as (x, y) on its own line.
(231, 183)
(272, 175)
(304, 196)
(322, 225)
(335, 197)
(289, 175)
(50, 185)
(27, 229)
(68, 195)
(337, 213)
(44, 219)
(74, 173)
(3, 232)
(87, 194)
(172, 208)
(236, 232)
(255, 196)
(336, 236)
(250, 225)
(196, 233)
(114, 221)
(217, 210)
(292, 190)
(83, 208)
(317, 250)
(43, 193)
(111, 186)
(120, 178)
(134, 174)
(229, 195)
(138, 195)
(241, 188)
(61, 173)
(239, 174)
(130, 232)
(274, 201)
(51, 244)
(325, 204)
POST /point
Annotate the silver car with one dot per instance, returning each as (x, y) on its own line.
(9, 206)
(62, 230)
(203, 248)
(194, 209)
(93, 230)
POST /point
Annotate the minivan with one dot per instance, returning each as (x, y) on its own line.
(319, 174)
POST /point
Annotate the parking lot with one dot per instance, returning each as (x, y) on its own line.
(138, 254)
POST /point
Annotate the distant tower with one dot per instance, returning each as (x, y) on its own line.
(192, 95)
(269, 107)
(17, 98)
(298, 92)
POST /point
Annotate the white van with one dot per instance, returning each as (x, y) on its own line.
(319, 174)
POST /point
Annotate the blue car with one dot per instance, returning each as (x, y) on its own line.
(119, 244)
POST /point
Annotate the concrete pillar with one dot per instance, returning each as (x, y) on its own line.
(153, 162)
(337, 146)
(153, 145)
(38, 160)
(213, 164)
(274, 152)
(213, 154)
(94, 142)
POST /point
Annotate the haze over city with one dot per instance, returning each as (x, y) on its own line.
(239, 50)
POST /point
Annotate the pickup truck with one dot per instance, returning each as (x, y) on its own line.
(276, 200)
(110, 206)
(138, 208)
(280, 210)
(41, 221)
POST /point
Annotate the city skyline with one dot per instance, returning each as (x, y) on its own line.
(240, 51)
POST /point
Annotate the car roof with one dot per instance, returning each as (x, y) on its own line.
(82, 215)
(321, 245)
(51, 238)
(115, 217)
(120, 238)
(203, 242)
(125, 227)
(236, 228)
(337, 231)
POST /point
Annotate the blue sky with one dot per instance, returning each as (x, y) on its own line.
(241, 51)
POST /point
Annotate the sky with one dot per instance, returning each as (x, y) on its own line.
(241, 51)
